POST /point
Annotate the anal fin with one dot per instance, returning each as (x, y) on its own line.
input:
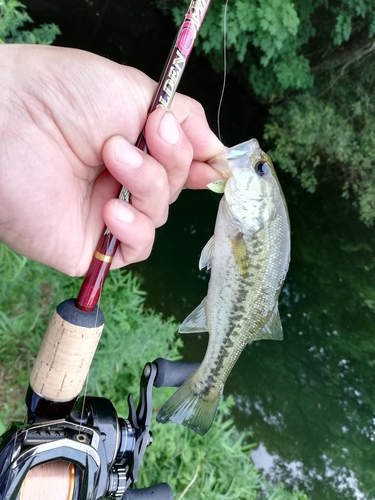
(207, 254)
(273, 329)
(196, 321)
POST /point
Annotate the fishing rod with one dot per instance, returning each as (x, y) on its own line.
(93, 283)
(105, 451)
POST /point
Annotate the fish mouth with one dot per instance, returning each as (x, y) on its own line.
(227, 161)
(245, 148)
(221, 164)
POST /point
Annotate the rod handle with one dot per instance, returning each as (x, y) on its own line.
(65, 356)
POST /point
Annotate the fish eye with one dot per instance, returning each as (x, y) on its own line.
(262, 168)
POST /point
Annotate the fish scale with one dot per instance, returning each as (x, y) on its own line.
(249, 256)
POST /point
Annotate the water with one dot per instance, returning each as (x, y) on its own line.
(311, 402)
(308, 400)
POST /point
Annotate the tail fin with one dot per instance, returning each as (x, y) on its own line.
(188, 408)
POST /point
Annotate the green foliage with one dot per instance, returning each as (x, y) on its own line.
(140, 336)
(13, 18)
(343, 28)
(11, 264)
(25, 309)
(347, 15)
(330, 137)
(271, 43)
(216, 466)
(213, 467)
(315, 60)
(261, 36)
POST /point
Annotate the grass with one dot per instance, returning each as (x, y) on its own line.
(216, 466)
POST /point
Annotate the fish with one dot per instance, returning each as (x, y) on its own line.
(249, 257)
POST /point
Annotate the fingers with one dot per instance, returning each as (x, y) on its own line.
(178, 153)
(191, 141)
(190, 114)
(168, 144)
(201, 174)
(143, 176)
(132, 228)
(147, 180)
(205, 143)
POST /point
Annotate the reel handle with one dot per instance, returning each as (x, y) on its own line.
(161, 491)
(173, 373)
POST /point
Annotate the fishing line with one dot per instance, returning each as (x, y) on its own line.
(224, 67)
(88, 373)
(84, 398)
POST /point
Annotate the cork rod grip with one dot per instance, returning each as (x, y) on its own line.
(67, 350)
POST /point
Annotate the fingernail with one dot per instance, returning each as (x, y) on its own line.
(127, 154)
(122, 212)
(169, 130)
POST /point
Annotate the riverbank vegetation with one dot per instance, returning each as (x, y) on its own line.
(312, 64)
(216, 466)
(16, 26)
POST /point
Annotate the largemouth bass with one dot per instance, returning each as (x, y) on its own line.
(249, 257)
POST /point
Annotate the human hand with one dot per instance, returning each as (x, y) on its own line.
(68, 122)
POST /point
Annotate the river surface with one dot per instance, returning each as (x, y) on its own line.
(309, 400)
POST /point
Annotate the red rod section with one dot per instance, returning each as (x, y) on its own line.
(94, 280)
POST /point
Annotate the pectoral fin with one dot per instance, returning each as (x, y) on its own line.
(240, 254)
(207, 254)
(196, 321)
(273, 329)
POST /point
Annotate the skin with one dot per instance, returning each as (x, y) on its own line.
(68, 122)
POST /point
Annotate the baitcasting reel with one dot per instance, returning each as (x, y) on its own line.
(105, 451)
